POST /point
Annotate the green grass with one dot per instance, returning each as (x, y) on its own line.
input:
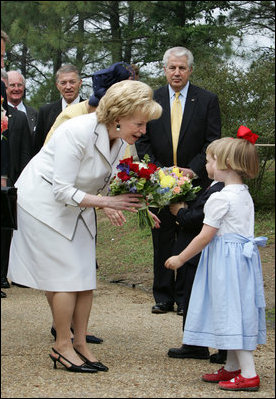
(264, 193)
(125, 249)
(265, 224)
(128, 249)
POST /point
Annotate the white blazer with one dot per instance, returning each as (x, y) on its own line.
(77, 160)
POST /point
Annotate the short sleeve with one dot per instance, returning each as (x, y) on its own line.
(216, 207)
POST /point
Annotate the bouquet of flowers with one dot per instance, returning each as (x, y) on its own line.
(172, 187)
(136, 178)
(159, 186)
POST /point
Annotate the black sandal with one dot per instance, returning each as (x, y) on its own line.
(83, 368)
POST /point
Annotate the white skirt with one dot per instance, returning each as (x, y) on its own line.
(43, 259)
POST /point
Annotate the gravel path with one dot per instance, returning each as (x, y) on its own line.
(135, 350)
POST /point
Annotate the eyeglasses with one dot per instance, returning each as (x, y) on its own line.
(13, 85)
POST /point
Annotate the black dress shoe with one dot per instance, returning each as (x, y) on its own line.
(3, 294)
(4, 283)
(189, 351)
(219, 357)
(19, 285)
(180, 310)
(91, 339)
(162, 308)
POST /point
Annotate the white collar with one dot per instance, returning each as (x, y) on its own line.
(20, 106)
(183, 92)
(64, 103)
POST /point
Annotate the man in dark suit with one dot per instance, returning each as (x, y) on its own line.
(20, 153)
(200, 125)
(4, 176)
(68, 83)
(4, 134)
(20, 140)
(15, 94)
(4, 141)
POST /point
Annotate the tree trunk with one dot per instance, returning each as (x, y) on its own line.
(114, 20)
(128, 42)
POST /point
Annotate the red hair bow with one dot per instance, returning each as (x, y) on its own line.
(245, 133)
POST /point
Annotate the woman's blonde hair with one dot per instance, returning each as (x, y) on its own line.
(126, 98)
(238, 154)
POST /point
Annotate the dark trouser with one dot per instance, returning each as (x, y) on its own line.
(167, 284)
(188, 276)
(6, 236)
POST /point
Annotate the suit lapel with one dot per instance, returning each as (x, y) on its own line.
(191, 101)
(103, 145)
(164, 100)
(57, 107)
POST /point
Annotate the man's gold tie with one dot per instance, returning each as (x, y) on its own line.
(176, 119)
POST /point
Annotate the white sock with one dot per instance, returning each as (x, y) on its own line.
(247, 365)
(232, 362)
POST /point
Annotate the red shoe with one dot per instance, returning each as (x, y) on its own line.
(220, 375)
(240, 383)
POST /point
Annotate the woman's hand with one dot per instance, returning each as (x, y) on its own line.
(173, 263)
(124, 202)
(116, 217)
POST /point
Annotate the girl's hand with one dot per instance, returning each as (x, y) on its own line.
(116, 217)
(156, 220)
(173, 263)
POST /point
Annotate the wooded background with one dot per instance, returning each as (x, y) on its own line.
(94, 34)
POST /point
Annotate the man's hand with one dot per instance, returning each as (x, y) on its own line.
(3, 181)
(174, 208)
(173, 263)
(188, 172)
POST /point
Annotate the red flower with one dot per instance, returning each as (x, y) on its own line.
(145, 173)
(134, 167)
(123, 176)
(152, 167)
(127, 161)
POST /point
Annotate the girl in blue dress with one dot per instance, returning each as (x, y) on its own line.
(227, 304)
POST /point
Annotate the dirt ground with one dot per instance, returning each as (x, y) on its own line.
(135, 350)
(135, 347)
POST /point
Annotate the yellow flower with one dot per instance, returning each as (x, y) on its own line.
(161, 174)
(177, 172)
(167, 181)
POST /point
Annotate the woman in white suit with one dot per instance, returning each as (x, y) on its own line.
(54, 247)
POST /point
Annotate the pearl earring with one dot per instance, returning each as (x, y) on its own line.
(118, 127)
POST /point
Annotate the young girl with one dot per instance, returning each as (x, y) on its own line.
(227, 305)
